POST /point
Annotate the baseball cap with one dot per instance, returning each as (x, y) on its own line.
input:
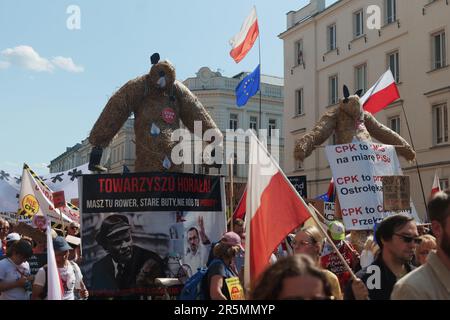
(60, 244)
(232, 239)
(337, 230)
(12, 237)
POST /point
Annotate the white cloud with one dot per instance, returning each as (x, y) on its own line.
(67, 64)
(4, 65)
(27, 58)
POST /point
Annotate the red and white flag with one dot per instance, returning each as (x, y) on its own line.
(381, 94)
(242, 42)
(274, 209)
(436, 186)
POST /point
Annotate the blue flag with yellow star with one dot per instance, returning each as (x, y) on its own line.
(248, 87)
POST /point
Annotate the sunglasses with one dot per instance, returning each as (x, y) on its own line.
(408, 239)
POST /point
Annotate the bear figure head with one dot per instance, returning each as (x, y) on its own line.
(162, 74)
(351, 105)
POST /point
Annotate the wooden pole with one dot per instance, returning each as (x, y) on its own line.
(231, 192)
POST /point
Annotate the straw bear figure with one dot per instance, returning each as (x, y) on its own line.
(347, 121)
(158, 102)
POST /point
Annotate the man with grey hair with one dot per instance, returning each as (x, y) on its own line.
(431, 281)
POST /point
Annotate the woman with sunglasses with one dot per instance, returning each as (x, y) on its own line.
(309, 241)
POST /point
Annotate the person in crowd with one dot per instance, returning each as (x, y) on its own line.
(369, 252)
(239, 228)
(69, 273)
(198, 247)
(73, 229)
(75, 253)
(4, 231)
(397, 238)
(431, 281)
(120, 267)
(295, 277)
(310, 241)
(427, 245)
(9, 240)
(331, 261)
(15, 278)
(221, 267)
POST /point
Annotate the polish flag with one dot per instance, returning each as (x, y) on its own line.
(381, 94)
(436, 186)
(274, 209)
(242, 42)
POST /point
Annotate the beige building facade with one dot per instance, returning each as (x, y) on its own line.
(325, 48)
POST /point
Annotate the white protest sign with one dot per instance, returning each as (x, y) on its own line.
(328, 212)
(357, 170)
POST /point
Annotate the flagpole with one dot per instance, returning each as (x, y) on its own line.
(313, 215)
(417, 164)
(260, 88)
(231, 192)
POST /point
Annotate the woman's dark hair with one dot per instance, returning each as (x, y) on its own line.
(270, 283)
(21, 247)
(390, 225)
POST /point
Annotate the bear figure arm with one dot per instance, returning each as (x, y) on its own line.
(116, 112)
(318, 135)
(192, 110)
(387, 136)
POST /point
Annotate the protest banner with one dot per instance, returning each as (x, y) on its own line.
(396, 193)
(165, 222)
(357, 171)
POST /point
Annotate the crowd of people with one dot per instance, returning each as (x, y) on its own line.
(399, 260)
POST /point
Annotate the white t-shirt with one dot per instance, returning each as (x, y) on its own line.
(70, 276)
(10, 272)
(199, 259)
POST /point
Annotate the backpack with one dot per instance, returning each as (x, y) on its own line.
(194, 287)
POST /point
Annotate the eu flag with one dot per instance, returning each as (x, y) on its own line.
(248, 87)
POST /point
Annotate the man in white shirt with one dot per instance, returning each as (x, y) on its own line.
(197, 254)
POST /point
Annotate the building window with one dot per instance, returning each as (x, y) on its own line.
(358, 23)
(233, 121)
(299, 52)
(333, 90)
(393, 64)
(439, 54)
(272, 126)
(394, 124)
(391, 11)
(361, 78)
(440, 124)
(299, 110)
(443, 183)
(331, 36)
(253, 122)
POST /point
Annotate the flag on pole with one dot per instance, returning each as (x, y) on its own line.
(242, 42)
(54, 284)
(274, 209)
(37, 198)
(381, 94)
(248, 87)
(436, 186)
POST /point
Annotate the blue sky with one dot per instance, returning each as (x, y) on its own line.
(54, 82)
